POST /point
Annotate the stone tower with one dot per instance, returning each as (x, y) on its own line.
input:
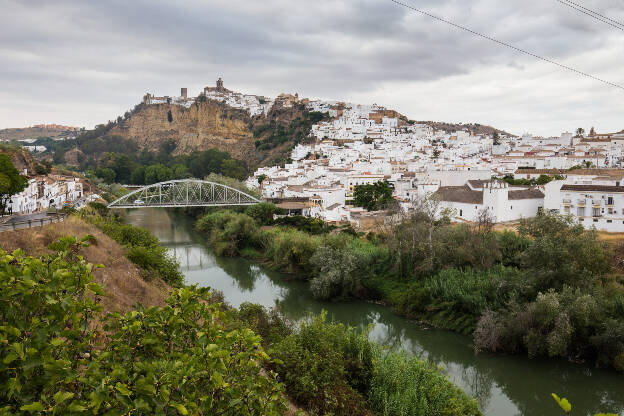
(184, 92)
(220, 85)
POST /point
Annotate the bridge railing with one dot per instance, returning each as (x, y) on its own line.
(184, 193)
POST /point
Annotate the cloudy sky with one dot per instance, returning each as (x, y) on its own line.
(83, 62)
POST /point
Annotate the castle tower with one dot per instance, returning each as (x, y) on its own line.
(183, 92)
(220, 84)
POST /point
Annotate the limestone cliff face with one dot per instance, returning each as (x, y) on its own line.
(21, 159)
(205, 125)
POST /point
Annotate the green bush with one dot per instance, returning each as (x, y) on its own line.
(263, 213)
(326, 367)
(183, 358)
(405, 386)
(314, 226)
(228, 232)
(291, 250)
(142, 248)
(473, 291)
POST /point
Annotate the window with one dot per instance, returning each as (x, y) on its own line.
(461, 212)
(609, 221)
(610, 200)
(595, 220)
(511, 207)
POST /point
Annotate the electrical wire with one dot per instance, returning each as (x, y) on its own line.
(507, 45)
(593, 14)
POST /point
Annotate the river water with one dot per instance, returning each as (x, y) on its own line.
(503, 385)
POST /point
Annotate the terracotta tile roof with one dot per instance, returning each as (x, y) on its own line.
(459, 194)
(531, 193)
(590, 188)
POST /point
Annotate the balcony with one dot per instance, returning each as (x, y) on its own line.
(567, 202)
(597, 202)
(581, 202)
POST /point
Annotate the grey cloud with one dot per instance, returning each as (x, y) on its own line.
(113, 51)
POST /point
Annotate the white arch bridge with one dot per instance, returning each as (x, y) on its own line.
(184, 193)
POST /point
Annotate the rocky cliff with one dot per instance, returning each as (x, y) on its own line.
(205, 125)
(209, 124)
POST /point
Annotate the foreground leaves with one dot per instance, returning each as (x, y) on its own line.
(182, 358)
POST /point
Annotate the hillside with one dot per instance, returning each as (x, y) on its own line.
(121, 279)
(21, 158)
(474, 128)
(209, 124)
(54, 131)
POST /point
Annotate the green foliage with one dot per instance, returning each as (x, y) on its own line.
(373, 197)
(142, 248)
(562, 252)
(263, 212)
(11, 182)
(157, 173)
(306, 224)
(228, 232)
(106, 174)
(291, 250)
(541, 180)
(184, 358)
(274, 133)
(343, 264)
(326, 367)
(333, 369)
(405, 386)
(473, 291)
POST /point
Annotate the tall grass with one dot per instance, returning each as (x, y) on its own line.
(403, 385)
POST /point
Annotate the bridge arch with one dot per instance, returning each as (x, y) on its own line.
(184, 193)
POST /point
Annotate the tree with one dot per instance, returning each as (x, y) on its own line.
(436, 153)
(157, 173)
(106, 174)
(138, 176)
(11, 182)
(373, 197)
(580, 132)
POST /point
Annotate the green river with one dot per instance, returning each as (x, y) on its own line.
(503, 385)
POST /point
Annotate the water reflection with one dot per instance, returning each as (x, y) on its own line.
(502, 385)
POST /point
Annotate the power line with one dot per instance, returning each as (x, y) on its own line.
(593, 14)
(507, 45)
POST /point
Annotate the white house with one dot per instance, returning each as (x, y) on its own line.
(599, 206)
(504, 203)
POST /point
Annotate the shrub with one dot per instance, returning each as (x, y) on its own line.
(183, 358)
(324, 364)
(291, 250)
(511, 246)
(228, 232)
(473, 291)
(309, 225)
(405, 386)
(263, 213)
(142, 248)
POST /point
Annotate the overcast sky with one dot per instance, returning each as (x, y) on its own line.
(83, 62)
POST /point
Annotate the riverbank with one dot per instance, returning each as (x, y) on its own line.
(326, 377)
(503, 384)
(529, 292)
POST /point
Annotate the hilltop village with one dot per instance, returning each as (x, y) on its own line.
(469, 170)
(511, 177)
